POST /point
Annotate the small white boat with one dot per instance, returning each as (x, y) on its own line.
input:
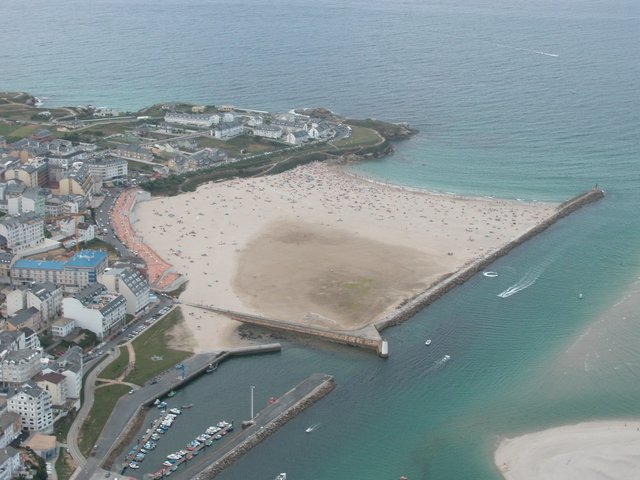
(312, 428)
(490, 274)
(580, 295)
(427, 341)
(281, 476)
(446, 357)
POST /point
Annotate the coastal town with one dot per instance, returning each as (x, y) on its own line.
(78, 282)
(137, 251)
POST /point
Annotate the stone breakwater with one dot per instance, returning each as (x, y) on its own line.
(256, 434)
(411, 307)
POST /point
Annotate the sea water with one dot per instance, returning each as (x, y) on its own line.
(534, 100)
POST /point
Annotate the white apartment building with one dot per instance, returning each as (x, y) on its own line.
(267, 131)
(130, 284)
(22, 231)
(19, 366)
(9, 463)
(105, 169)
(93, 308)
(228, 130)
(203, 120)
(62, 327)
(33, 404)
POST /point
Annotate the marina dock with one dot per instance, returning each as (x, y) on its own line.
(213, 457)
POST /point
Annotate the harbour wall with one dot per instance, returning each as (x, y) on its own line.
(312, 390)
(410, 308)
(367, 337)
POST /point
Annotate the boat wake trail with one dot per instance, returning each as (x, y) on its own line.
(525, 282)
(438, 364)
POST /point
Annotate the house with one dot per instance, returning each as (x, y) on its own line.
(45, 297)
(55, 384)
(10, 465)
(268, 131)
(133, 152)
(296, 138)
(72, 275)
(19, 366)
(62, 327)
(228, 117)
(319, 130)
(9, 428)
(71, 366)
(25, 318)
(225, 131)
(93, 308)
(129, 283)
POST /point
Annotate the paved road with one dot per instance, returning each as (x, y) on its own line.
(89, 391)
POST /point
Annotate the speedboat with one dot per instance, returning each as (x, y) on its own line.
(312, 428)
(490, 274)
(427, 341)
(446, 357)
(281, 476)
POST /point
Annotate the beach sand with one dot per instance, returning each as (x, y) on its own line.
(320, 247)
(586, 451)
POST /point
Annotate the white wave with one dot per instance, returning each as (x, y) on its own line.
(525, 282)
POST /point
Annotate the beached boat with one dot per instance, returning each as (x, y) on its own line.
(211, 368)
(427, 341)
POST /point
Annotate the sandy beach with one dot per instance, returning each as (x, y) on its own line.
(318, 246)
(586, 451)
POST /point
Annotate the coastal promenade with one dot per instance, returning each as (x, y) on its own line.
(161, 273)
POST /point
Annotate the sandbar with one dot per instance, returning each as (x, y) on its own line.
(586, 451)
(318, 246)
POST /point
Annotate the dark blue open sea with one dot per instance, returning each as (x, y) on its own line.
(534, 99)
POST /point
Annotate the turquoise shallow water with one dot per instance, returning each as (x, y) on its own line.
(499, 115)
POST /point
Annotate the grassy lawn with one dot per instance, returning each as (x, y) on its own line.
(63, 469)
(62, 426)
(117, 367)
(105, 400)
(153, 356)
(360, 136)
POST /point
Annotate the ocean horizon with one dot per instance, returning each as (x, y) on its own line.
(522, 100)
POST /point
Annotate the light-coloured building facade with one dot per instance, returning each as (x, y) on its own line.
(19, 366)
(129, 283)
(33, 404)
(95, 309)
(202, 120)
(22, 231)
(54, 383)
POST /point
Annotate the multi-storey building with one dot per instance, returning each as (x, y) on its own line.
(22, 231)
(95, 309)
(33, 404)
(19, 366)
(203, 120)
(105, 169)
(130, 284)
(74, 274)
